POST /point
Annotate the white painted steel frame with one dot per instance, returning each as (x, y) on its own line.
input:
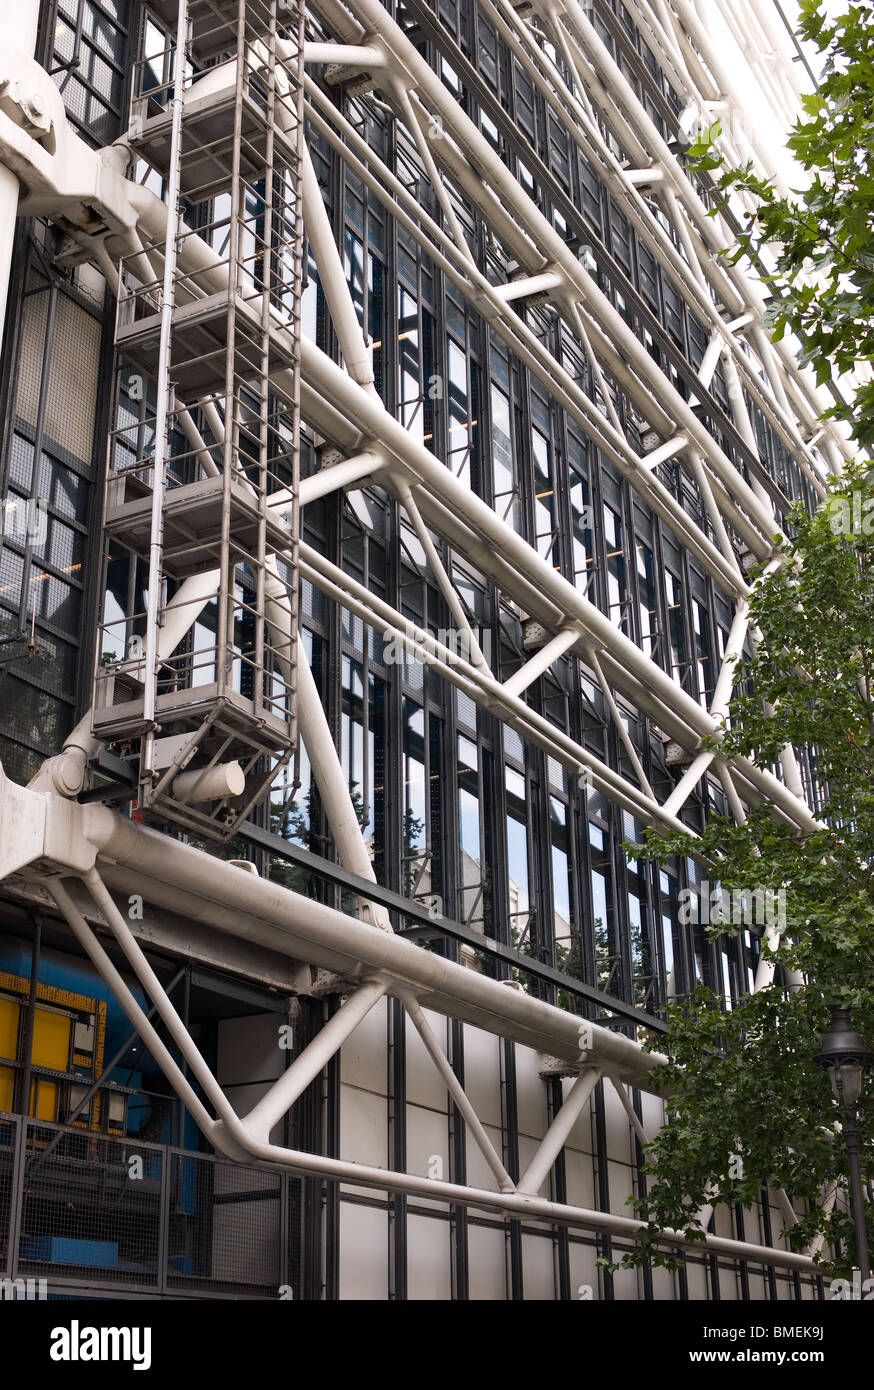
(343, 407)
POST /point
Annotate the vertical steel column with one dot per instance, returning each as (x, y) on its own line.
(24, 1085)
(163, 405)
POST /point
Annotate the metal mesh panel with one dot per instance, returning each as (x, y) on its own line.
(72, 390)
(294, 1276)
(225, 1226)
(8, 1130)
(32, 348)
(88, 1212)
(32, 716)
(72, 403)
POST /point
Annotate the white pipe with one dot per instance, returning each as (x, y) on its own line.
(630, 1111)
(456, 1090)
(202, 784)
(557, 1135)
(19, 24)
(164, 389)
(540, 661)
(135, 957)
(710, 359)
(231, 1137)
(342, 474)
(374, 421)
(699, 473)
(412, 117)
(344, 55)
(291, 1085)
(725, 682)
(184, 879)
(787, 1211)
(105, 968)
(453, 602)
(333, 278)
(527, 285)
(620, 723)
(333, 787)
(197, 441)
(665, 451)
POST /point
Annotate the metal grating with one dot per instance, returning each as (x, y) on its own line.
(112, 1213)
(85, 1213)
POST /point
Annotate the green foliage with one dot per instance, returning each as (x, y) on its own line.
(823, 283)
(743, 1081)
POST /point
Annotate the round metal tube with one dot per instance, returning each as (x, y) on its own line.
(201, 784)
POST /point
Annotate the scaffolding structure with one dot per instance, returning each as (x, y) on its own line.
(212, 481)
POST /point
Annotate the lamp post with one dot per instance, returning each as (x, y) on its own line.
(845, 1056)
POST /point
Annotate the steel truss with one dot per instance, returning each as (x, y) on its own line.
(144, 245)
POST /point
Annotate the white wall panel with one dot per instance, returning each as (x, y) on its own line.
(621, 1186)
(729, 1284)
(487, 1263)
(425, 1085)
(363, 1059)
(363, 1253)
(363, 1131)
(664, 1284)
(530, 1093)
(427, 1140)
(617, 1125)
(583, 1270)
(581, 1136)
(479, 1174)
(626, 1286)
(538, 1268)
(429, 1259)
(579, 1178)
(697, 1281)
(363, 1126)
(482, 1074)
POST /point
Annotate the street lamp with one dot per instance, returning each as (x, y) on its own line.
(845, 1056)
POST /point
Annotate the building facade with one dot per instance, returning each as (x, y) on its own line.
(385, 450)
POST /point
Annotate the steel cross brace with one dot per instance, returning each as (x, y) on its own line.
(245, 1139)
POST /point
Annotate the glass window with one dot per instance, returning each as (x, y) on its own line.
(616, 594)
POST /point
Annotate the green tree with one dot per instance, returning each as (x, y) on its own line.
(823, 281)
(748, 1107)
(748, 1104)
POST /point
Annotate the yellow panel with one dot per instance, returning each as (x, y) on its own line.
(9, 1011)
(51, 1040)
(47, 1093)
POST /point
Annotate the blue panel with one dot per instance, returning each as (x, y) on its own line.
(101, 1254)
